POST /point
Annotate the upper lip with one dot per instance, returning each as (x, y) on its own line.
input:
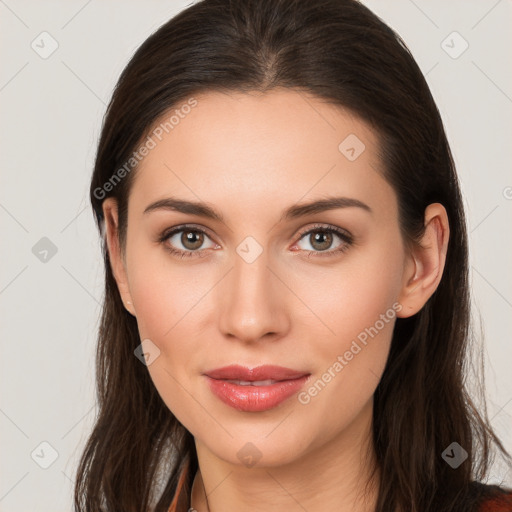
(264, 372)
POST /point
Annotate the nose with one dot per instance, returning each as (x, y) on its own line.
(253, 301)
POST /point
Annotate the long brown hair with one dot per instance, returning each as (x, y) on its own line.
(138, 456)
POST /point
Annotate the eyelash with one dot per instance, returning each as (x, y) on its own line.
(342, 234)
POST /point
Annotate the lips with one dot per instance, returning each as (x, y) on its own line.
(260, 373)
(257, 389)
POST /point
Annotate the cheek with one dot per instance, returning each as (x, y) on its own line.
(165, 292)
(168, 297)
(353, 295)
(357, 304)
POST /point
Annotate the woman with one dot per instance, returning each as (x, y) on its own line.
(286, 316)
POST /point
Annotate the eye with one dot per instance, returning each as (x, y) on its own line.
(189, 237)
(192, 238)
(321, 237)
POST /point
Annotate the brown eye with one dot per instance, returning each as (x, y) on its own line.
(321, 240)
(192, 240)
(185, 241)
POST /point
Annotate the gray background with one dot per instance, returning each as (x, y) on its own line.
(51, 112)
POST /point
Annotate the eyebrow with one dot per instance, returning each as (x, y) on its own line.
(293, 212)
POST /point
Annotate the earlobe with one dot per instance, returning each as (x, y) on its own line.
(425, 263)
(117, 263)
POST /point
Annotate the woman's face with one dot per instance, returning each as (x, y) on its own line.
(256, 286)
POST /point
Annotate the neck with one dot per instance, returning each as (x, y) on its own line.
(328, 477)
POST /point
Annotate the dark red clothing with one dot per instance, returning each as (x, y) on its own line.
(502, 504)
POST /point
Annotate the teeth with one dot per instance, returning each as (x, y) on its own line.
(253, 383)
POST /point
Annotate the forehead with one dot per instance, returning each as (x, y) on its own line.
(259, 149)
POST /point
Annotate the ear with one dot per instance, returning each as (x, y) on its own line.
(117, 263)
(425, 262)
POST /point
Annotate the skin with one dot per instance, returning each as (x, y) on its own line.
(250, 156)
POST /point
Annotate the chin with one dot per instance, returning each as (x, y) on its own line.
(261, 448)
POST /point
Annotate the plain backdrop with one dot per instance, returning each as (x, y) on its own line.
(51, 271)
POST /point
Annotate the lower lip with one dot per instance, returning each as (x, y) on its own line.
(255, 398)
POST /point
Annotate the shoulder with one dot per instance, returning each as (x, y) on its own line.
(495, 498)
